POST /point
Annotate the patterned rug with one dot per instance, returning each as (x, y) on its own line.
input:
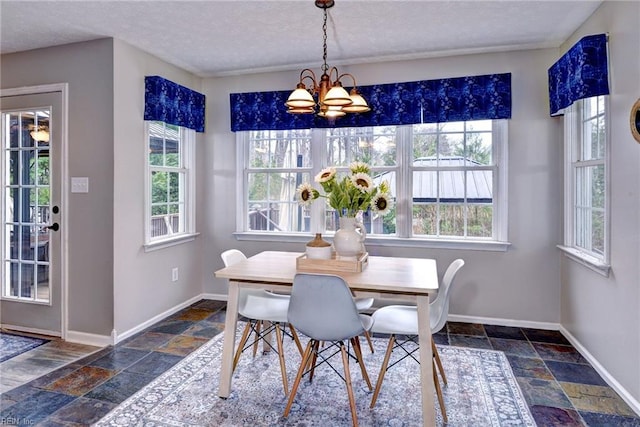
(13, 345)
(481, 391)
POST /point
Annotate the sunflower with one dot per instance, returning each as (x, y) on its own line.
(306, 194)
(348, 193)
(359, 167)
(362, 182)
(381, 203)
(326, 175)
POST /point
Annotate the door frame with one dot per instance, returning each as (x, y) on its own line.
(63, 88)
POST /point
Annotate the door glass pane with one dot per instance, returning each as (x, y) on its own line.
(26, 194)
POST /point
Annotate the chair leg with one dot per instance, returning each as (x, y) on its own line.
(243, 341)
(347, 377)
(255, 344)
(303, 365)
(436, 356)
(367, 335)
(314, 359)
(383, 370)
(283, 369)
(436, 383)
(358, 350)
(294, 334)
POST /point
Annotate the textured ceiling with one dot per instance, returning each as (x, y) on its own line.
(216, 38)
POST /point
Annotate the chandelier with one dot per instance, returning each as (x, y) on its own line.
(333, 100)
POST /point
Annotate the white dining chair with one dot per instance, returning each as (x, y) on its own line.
(322, 308)
(261, 307)
(402, 320)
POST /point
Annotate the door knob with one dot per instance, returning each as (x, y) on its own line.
(54, 227)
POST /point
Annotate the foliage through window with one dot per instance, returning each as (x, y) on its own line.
(444, 178)
(169, 191)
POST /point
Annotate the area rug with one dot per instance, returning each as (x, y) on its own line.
(13, 345)
(481, 391)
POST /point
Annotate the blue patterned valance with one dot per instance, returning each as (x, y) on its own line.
(426, 101)
(171, 103)
(581, 73)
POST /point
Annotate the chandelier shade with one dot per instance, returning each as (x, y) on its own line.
(300, 98)
(331, 99)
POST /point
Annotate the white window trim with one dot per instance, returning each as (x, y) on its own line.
(500, 188)
(572, 131)
(187, 144)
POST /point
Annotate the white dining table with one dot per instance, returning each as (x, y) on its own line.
(392, 278)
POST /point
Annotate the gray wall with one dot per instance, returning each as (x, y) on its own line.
(522, 283)
(142, 286)
(88, 68)
(114, 285)
(604, 313)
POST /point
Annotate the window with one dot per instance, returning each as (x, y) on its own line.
(169, 195)
(448, 180)
(453, 171)
(586, 182)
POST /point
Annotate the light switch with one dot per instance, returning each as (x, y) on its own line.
(79, 184)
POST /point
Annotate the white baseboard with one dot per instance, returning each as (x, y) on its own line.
(216, 297)
(31, 330)
(504, 322)
(89, 339)
(613, 383)
(117, 337)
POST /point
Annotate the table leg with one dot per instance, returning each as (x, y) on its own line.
(230, 324)
(426, 367)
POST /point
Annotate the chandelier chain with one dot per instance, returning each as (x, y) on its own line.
(325, 67)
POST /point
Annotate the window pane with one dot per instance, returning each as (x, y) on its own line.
(597, 186)
(424, 141)
(172, 153)
(375, 146)
(272, 203)
(589, 208)
(159, 185)
(597, 232)
(478, 148)
(425, 219)
(590, 181)
(450, 146)
(479, 220)
(593, 128)
(280, 149)
(164, 145)
(451, 219)
(376, 224)
(174, 186)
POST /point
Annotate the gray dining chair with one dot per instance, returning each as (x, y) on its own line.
(322, 308)
(259, 308)
(402, 320)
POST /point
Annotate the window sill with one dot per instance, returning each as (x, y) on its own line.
(166, 243)
(477, 245)
(588, 261)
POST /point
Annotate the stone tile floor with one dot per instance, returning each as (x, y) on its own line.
(559, 385)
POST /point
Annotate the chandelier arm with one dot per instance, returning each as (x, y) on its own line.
(331, 72)
(347, 74)
(311, 76)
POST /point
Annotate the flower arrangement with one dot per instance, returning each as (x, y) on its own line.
(349, 195)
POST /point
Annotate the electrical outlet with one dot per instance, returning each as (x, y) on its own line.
(174, 274)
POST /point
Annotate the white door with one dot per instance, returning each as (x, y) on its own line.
(32, 212)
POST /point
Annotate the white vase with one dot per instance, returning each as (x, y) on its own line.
(348, 241)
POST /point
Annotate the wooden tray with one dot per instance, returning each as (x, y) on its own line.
(332, 265)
